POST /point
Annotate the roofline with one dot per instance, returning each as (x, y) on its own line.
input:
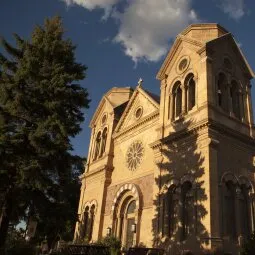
(239, 50)
(205, 25)
(136, 91)
(104, 98)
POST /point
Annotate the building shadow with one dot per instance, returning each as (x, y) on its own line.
(180, 214)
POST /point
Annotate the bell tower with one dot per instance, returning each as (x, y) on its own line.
(206, 142)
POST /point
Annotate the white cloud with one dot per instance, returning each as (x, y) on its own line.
(234, 8)
(93, 4)
(147, 25)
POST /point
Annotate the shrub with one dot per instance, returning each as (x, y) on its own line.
(249, 246)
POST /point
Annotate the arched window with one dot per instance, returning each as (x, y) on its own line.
(177, 100)
(230, 212)
(124, 220)
(97, 145)
(222, 95)
(190, 91)
(130, 216)
(92, 217)
(104, 138)
(235, 99)
(244, 211)
(169, 219)
(186, 212)
(84, 231)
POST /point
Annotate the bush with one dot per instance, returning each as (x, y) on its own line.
(16, 244)
(249, 246)
(113, 243)
(21, 248)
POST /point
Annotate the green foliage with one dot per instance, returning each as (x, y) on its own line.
(249, 246)
(16, 244)
(41, 106)
(110, 241)
(113, 243)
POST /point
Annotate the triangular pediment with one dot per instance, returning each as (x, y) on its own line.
(194, 36)
(230, 42)
(142, 104)
(182, 46)
(112, 102)
(104, 107)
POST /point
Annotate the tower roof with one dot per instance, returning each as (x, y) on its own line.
(204, 32)
(201, 35)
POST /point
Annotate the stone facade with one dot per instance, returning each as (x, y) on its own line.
(176, 171)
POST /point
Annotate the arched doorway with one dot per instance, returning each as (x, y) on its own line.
(126, 218)
(129, 223)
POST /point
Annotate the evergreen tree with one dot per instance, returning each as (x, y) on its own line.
(40, 110)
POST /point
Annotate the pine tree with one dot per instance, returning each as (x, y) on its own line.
(40, 110)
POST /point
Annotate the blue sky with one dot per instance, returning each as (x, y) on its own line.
(123, 40)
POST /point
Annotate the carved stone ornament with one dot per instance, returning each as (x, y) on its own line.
(134, 155)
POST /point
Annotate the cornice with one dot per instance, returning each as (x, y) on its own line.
(174, 48)
(98, 170)
(179, 39)
(191, 41)
(204, 25)
(137, 124)
(126, 111)
(98, 110)
(211, 125)
(130, 104)
(222, 129)
(222, 112)
(193, 129)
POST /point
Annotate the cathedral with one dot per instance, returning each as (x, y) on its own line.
(176, 171)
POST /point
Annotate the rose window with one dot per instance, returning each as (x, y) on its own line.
(134, 155)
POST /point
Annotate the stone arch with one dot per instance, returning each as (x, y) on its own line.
(171, 84)
(166, 186)
(188, 178)
(228, 176)
(222, 90)
(123, 189)
(190, 91)
(89, 204)
(243, 180)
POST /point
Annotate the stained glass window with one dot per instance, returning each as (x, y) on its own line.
(134, 155)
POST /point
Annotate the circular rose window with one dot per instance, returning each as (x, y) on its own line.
(227, 63)
(134, 155)
(138, 112)
(183, 64)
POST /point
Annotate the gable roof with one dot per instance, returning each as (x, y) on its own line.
(153, 98)
(119, 110)
(172, 52)
(190, 35)
(105, 98)
(231, 39)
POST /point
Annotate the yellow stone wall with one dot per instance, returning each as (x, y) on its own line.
(201, 146)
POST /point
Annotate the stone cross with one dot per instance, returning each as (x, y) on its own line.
(140, 82)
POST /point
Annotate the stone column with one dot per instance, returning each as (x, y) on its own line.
(178, 231)
(249, 103)
(91, 149)
(184, 100)
(252, 212)
(230, 100)
(238, 228)
(241, 107)
(173, 106)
